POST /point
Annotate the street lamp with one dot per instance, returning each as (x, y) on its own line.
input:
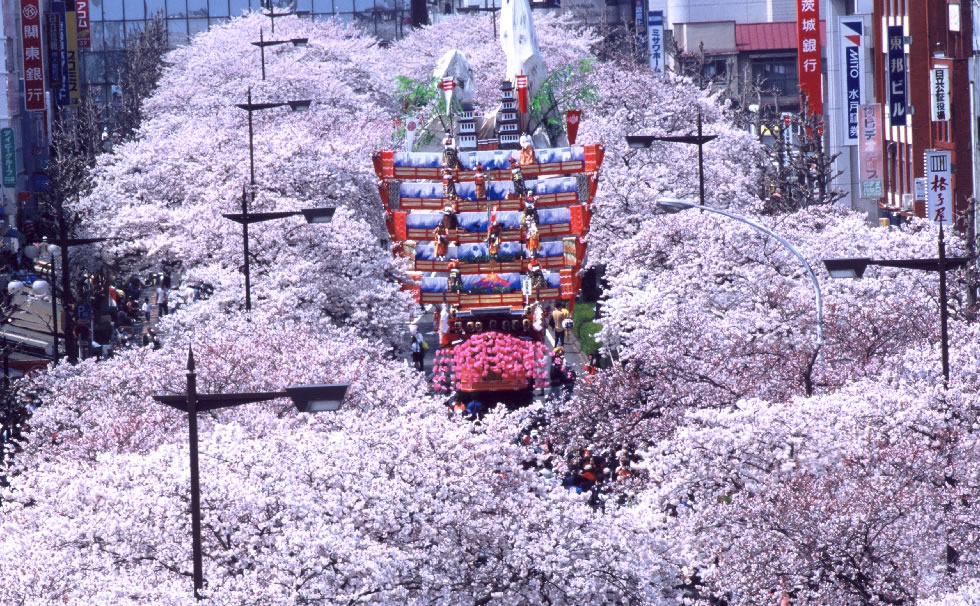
(645, 141)
(306, 398)
(673, 205)
(312, 215)
(854, 268)
(272, 14)
(296, 106)
(245, 218)
(262, 43)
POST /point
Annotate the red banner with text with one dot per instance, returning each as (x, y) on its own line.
(809, 65)
(572, 119)
(30, 14)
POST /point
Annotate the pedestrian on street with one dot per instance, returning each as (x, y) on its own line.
(559, 317)
(161, 301)
(146, 308)
(418, 348)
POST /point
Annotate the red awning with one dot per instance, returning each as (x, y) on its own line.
(771, 36)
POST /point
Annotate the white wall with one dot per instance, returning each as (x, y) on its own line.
(741, 11)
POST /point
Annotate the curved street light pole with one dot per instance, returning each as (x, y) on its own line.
(674, 205)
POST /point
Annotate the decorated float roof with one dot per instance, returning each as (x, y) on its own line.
(496, 190)
(487, 283)
(491, 160)
(478, 252)
(480, 222)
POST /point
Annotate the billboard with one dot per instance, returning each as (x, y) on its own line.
(939, 187)
(897, 76)
(870, 152)
(655, 39)
(809, 64)
(30, 13)
(852, 37)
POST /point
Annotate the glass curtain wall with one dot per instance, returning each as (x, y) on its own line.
(113, 22)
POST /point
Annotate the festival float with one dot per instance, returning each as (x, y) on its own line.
(494, 225)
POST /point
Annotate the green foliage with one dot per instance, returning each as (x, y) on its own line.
(584, 327)
(565, 88)
(416, 94)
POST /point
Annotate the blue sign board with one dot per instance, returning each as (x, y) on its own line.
(897, 79)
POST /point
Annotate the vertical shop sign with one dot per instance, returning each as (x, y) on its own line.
(809, 64)
(939, 187)
(8, 151)
(30, 14)
(71, 46)
(869, 152)
(939, 84)
(81, 22)
(54, 43)
(852, 32)
(655, 39)
(897, 77)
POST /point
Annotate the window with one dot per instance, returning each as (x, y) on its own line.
(176, 32)
(715, 69)
(94, 67)
(133, 29)
(219, 8)
(113, 34)
(197, 8)
(238, 7)
(135, 9)
(96, 35)
(112, 9)
(176, 8)
(777, 76)
(95, 10)
(196, 26)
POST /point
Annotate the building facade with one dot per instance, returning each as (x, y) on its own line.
(936, 41)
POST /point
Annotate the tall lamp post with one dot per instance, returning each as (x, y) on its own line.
(306, 398)
(672, 205)
(645, 141)
(262, 43)
(272, 14)
(854, 268)
(312, 215)
(250, 107)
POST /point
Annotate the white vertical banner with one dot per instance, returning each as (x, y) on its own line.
(939, 187)
(655, 39)
(852, 46)
(939, 92)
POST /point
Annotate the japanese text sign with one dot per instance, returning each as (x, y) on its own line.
(897, 78)
(809, 64)
(939, 187)
(655, 40)
(869, 151)
(30, 13)
(939, 80)
(852, 30)
(81, 19)
(8, 149)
